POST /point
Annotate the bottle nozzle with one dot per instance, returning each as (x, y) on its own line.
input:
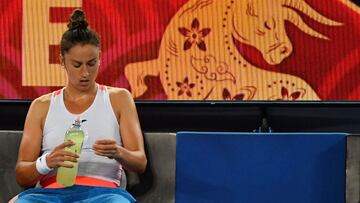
(78, 121)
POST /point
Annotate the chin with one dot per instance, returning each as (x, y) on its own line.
(84, 87)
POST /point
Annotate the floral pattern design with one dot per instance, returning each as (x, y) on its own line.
(227, 95)
(245, 93)
(287, 96)
(194, 35)
(185, 87)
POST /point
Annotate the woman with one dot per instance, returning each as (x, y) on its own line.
(114, 139)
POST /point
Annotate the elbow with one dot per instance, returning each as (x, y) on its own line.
(18, 177)
(138, 165)
(142, 165)
(22, 179)
(20, 182)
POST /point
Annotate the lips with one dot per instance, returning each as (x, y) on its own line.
(84, 82)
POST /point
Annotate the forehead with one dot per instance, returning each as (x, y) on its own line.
(83, 52)
(264, 8)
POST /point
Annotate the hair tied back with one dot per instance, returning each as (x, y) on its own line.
(77, 20)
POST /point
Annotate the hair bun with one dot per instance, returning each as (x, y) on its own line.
(77, 20)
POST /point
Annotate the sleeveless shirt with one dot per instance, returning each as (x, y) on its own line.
(101, 123)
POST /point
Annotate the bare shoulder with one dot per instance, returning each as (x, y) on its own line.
(42, 101)
(119, 94)
(121, 101)
(120, 98)
(41, 105)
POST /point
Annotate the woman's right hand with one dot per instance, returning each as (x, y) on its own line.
(59, 155)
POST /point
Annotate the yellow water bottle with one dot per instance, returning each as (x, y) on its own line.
(67, 176)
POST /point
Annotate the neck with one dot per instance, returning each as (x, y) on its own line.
(76, 94)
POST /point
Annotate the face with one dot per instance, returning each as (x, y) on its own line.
(263, 28)
(81, 63)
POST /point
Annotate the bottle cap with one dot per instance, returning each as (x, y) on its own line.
(78, 121)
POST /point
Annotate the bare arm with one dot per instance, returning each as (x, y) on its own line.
(30, 147)
(26, 173)
(132, 154)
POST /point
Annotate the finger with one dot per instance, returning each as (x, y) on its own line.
(66, 164)
(104, 147)
(67, 143)
(68, 153)
(111, 152)
(105, 141)
(55, 159)
(60, 161)
(68, 158)
(104, 154)
(55, 156)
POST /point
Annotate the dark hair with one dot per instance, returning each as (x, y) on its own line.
(78, 33)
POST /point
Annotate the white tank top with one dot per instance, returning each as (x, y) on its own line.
(101, 123)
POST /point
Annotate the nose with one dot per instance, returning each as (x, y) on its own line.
(283, 50)
(84, 72)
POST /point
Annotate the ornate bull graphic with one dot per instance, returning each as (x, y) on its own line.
(198, 59)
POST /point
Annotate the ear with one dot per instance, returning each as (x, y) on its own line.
(62, 60)
(99, 58)
(250, 9)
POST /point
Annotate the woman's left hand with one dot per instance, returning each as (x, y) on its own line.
(107, 147)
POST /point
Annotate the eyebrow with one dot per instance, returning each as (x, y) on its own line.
(81, 62)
